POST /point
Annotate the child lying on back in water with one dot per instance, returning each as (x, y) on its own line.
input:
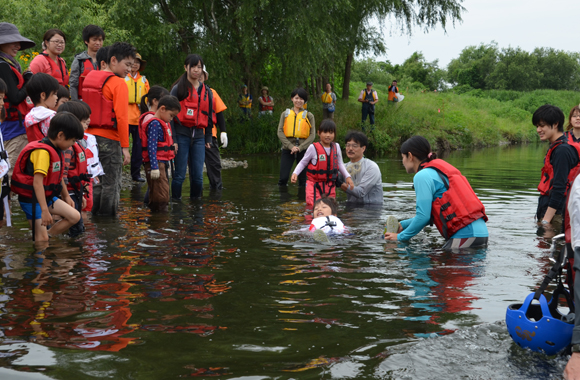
(325, 219)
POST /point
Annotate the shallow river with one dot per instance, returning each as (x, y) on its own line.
(215, 290)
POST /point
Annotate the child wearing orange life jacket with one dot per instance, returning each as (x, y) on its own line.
(158, 150)
(42, 89)
(323, 161)
(38, 178)
(76, 171)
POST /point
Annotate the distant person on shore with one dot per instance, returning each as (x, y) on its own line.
(394, 95)
(368, 97)
(85, 62)
(296, 132)
(444, 196)
(266, 102)
(573, 128)
(328, 103)
(365, 174)
(559, 162)
(245, 102)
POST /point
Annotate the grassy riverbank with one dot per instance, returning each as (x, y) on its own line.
(450, 120)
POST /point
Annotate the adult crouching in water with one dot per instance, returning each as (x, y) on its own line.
(443, 196)
(192, 129)
(296, 131)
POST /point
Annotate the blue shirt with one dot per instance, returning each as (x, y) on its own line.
(428, 187)
(154, 135)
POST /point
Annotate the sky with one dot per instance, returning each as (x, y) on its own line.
(527, 24)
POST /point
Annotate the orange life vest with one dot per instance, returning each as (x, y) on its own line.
(102, 112)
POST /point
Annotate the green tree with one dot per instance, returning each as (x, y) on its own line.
(473, 66)
(516, 70)
(561, 70)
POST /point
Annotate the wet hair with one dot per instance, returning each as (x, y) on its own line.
(102, 56)
(170, 102)
(550, 115)
(155, 92)
(301, 93)
(358, 137)
(92, 31)
(419, 147)
(62, 93)
(184, 86)
(327, 125)
(568, 127)
(68, 124)
(51, 33)
(39, 83)
(78, 108)
(121, 50)
(330, 202)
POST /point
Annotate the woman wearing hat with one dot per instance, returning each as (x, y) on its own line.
(266, 102)
(15, 101)
(49, 61)
(138, 86)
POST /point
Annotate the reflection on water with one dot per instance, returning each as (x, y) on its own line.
(216, 289)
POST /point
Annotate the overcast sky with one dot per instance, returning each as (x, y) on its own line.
(527, 24)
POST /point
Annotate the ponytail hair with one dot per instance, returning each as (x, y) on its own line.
(184, 87)
(419, 147)
(155, 92)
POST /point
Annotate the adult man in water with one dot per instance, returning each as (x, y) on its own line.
(366, 175)
(560, 160)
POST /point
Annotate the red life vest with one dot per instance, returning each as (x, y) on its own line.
(21, 109)
(545, 186)
(77, 170)
(326, 168)
(266, 100)
(23, 175)
(58, 71)
(458, 206)
(87, 66)
(102, 112)
(34, 133)
(195, 109)
(165, 150)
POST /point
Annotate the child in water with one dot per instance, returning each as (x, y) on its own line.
(325, 219)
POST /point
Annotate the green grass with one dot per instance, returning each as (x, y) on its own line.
(448, 120)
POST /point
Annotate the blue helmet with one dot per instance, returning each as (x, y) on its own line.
(539, 327)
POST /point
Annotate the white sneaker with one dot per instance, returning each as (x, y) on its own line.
(392, 224)
(320, 236)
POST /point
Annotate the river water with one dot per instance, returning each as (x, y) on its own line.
(214, 289)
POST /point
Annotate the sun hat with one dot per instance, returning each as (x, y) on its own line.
(143, 62)
(9, 33)
(265, 88)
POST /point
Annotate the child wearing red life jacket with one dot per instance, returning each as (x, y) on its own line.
(42, 90)
(323, 161)
(158, 150)
(38, 178)
(76, 170)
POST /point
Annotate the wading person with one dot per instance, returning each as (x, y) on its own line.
(192, 127)
(328, 103)
(49, 61)
(368, 97)
(296, 132)
(559, 163)
(85, 62)
(16, 103)
(443, 196)
(365, 174)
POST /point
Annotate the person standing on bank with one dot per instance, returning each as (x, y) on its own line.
(296, 131)
(394, 95)
(138, 86)
(16, 101)
(443, 196)
(366, 175)
(192, 128)
(49, 61)
(245, 102)
(266, 102)
(368, 98)
(328, 103)
(85, 62)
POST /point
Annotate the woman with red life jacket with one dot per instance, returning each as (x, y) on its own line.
(573, 127)
(192, 128)
(16, 101)
(85, 62)
(49, 61)
(444, 197)
(266, 102)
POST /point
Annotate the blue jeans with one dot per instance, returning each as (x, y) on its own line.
(368, 109)
(192, 151)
